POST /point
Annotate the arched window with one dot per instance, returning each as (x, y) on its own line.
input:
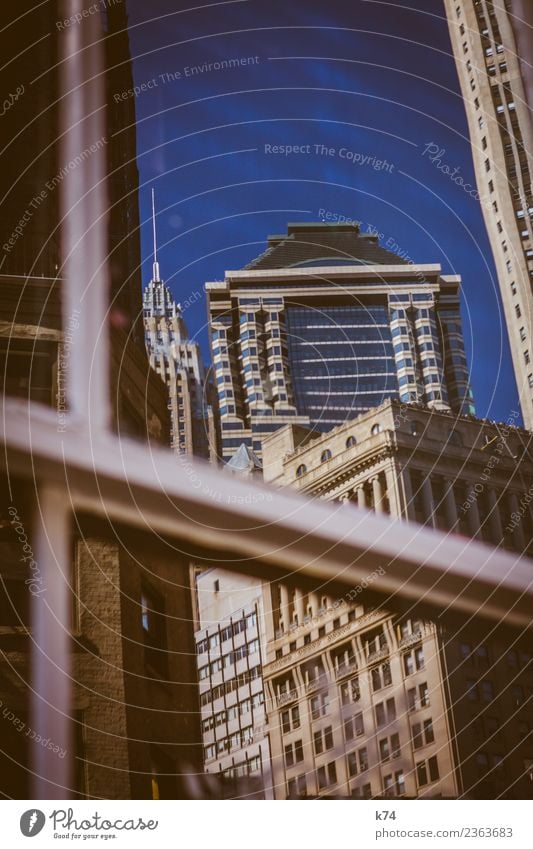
(376, 428)
(301, 470)
(351, 441)
(326, 455)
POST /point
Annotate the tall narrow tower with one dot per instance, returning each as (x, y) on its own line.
(501, 133)
(177, 359)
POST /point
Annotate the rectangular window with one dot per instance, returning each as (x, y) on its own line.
(433, 769)
(421, 773)
(289, 755)
(154, 630)
(319, 706)
(350, 691)
(487, 691)
(327, 776)
(354, 727)
(380, 676)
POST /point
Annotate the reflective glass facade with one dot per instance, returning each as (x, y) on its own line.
(341, 360)
(293, 344)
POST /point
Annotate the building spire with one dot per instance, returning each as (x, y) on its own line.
(155, 275)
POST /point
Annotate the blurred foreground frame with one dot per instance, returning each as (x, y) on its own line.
(107, 529)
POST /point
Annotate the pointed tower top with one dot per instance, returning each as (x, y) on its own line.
(155, 274)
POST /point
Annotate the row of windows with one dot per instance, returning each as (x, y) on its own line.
(229, 659)
(241, 709)
(327, 454)
(244, 768)
(393, 784)
(227, 744)
(230, 686)
(484, 691)
(228, 632)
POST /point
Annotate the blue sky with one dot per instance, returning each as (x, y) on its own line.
(375, 79)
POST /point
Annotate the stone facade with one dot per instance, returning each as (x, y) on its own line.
(490, 71)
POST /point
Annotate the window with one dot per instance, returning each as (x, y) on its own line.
(418, 698)
(522, 728)
(294, 753)
(422, 733)
(350, 691)
(301, 470)
(351, 441)
(290, 719)
(385, 712)
(326, 775)
(394, 785)
(154, 630)
(389, 747)
(487, 691)
(358, 761)
(297, 787)
(352, 764)
(354, 727)
(375, 429)
(526, 358)
(413, 661)
(325, 456)
(427, 771)
(319, 706)
(517, 694)
(323, 740)
(380, 676)
(523, 334)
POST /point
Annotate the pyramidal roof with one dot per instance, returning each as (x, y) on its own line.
(244, 460)
(313, 245)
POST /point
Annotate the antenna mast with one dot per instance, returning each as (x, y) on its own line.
(156, 277)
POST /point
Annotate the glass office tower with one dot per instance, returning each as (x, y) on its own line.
(326, 324)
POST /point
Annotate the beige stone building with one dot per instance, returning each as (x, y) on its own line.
(365, 703)
(484, 43)
(451, 472)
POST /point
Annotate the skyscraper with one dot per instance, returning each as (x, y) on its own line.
(501, 132)
(178, 360)
(230, 646)
(326, 324)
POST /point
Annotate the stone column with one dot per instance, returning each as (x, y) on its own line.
(299, 605)
(377, 490)
(518, 532)
(313, 602)
(361, 496)
(284, 606)
(429, 504)
(408, 507)
(472, 514)
(495, 521)
(449, 505)
(391, 492)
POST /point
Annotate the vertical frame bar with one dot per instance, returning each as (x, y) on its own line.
(51, 703)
